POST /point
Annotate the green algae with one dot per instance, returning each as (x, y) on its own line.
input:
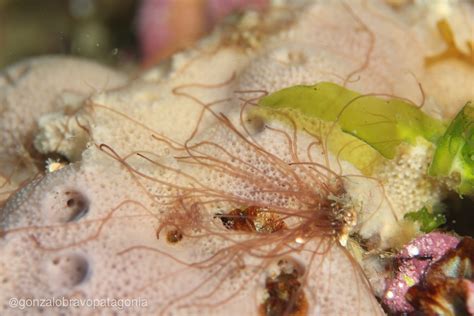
(361, 129)
(454, 155)
(428, 221)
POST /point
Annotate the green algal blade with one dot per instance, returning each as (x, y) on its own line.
(454, 155)
(382, 124)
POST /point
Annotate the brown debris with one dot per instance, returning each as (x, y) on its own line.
(252, 219)
(174, 236)
(285, 296)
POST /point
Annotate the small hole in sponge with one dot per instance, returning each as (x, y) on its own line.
(255, 124)
(67, 271)
(77, 205)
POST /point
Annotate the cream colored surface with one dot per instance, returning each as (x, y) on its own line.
(112, 251)
(37, 87)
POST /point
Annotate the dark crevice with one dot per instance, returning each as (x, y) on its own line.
(459, 215)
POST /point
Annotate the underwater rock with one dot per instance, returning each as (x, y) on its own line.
(446, 287)
(412, 262)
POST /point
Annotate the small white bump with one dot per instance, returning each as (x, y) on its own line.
(389, 295)
(413, 251)
(299, 240)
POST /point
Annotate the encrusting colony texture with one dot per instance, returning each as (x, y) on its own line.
(141, 202)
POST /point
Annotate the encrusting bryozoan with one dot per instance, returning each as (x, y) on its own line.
(182, 198)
